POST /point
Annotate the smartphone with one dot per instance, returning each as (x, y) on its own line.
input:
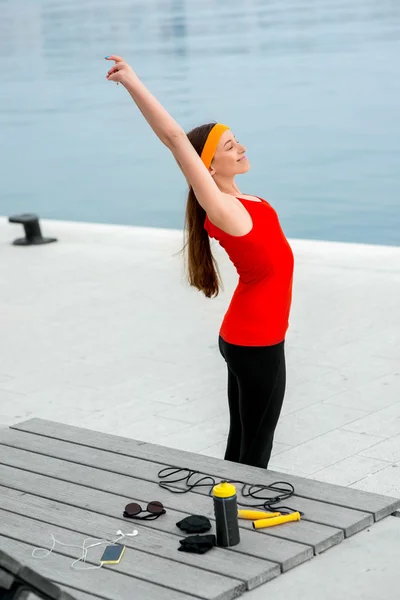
(112, 554)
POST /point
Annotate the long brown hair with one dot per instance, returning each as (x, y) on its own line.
(201, 266)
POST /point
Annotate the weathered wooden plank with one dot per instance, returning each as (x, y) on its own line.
(33, 596)
(288, 554)
(63, 595)
(78, 595)
(250, 570)
(379, 506)
(159, 570)
(113, 585)
(349, 520)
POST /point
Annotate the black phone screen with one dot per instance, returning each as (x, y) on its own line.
(112, 553)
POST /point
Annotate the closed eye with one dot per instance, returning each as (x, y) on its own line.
(231, 141)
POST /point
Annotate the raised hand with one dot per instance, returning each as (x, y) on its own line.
(121, 71)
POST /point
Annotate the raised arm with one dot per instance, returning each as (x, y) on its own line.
(173, 136)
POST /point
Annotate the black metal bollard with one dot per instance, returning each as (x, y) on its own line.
(33, 234)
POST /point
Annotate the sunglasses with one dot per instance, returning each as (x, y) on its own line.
(155, 510)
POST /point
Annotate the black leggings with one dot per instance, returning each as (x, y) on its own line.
(256, 388)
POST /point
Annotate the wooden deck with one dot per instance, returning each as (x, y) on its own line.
(74, 483)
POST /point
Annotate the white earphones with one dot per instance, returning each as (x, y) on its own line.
(83, 547)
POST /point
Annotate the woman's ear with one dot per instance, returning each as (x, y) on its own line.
(211, 170)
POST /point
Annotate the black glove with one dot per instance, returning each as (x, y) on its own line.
(199, 544)
(194, 524)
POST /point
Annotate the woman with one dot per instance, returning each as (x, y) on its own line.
(252, 335)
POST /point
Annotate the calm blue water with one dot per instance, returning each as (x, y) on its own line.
(312, 88)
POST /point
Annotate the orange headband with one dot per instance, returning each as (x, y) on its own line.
(211, 143)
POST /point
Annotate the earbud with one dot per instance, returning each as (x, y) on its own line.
(134, 532)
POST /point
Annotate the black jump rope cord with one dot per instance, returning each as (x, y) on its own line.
(285, 490)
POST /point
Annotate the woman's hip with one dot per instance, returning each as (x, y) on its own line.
(254, 361)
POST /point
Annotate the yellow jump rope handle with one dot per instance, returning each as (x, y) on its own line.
(253, 515)
(260, 524)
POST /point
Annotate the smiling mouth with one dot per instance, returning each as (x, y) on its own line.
(243, 158)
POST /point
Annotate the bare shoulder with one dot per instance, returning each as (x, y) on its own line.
(233, 219)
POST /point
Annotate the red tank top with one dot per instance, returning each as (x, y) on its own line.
(258, 314)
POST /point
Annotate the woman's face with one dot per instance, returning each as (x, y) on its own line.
(229, 159)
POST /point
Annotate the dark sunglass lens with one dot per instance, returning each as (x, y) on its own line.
(132, 509)
(155, 507)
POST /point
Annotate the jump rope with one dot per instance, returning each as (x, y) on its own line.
(277, 492)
